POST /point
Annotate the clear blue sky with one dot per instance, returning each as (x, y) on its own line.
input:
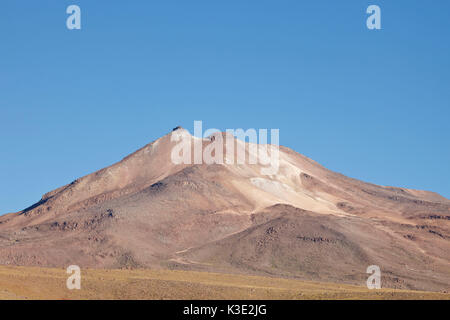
(373, 105)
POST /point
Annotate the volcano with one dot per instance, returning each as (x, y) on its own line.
(303, 222)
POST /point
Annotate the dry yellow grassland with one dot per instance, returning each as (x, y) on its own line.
(50, 283)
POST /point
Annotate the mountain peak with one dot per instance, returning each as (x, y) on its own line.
(150, 211)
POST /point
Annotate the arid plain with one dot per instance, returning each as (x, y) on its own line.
(50, 283)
